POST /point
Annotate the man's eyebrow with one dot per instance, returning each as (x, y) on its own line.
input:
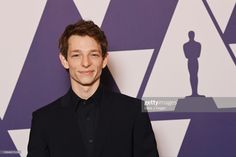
(94, 50)
(79, 51)
(76, 50)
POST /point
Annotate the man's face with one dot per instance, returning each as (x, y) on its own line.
(84, 60)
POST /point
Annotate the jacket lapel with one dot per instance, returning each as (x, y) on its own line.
(103, 128)
(69, 110)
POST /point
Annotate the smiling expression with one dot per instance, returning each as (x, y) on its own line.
(84, 60)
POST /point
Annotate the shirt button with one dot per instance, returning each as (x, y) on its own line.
(90, 140)
(88, 118)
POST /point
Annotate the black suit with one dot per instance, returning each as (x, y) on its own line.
(123, 130)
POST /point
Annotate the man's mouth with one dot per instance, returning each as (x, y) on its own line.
(86, 72)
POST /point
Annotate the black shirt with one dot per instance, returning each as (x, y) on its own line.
(87, 112)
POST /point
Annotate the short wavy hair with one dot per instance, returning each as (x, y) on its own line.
(83, 28)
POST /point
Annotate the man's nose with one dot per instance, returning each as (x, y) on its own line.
(85, 61)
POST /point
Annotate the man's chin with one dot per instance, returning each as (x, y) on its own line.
(87, 82)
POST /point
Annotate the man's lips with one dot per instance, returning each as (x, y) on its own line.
(86, 72)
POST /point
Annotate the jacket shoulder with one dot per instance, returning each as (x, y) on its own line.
(126, 102)
(125, 98)
(49, 108)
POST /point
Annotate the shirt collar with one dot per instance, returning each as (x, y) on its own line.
(94, 99)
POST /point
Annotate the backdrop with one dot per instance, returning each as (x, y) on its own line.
(146, 60)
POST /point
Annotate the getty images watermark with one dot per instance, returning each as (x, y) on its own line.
(9, 152)
(155, 104)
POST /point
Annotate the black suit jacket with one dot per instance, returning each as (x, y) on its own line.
(123, 130)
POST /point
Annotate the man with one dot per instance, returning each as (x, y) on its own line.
(89, 121)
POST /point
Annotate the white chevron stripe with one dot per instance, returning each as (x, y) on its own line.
(19, 21)
(170, 76)
(128, 69)
(233, 47)
(20, 139)
(169, 135)
(92, 10)
(222, 11)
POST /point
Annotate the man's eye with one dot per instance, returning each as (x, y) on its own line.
(75, 55)
(95, 55)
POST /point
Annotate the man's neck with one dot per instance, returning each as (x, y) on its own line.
(84, 92)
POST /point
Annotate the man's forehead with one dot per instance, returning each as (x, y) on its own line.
(76, 36)
(84, 50)
(82, 39)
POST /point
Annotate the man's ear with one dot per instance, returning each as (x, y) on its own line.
(64, 61)
(105, 61)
